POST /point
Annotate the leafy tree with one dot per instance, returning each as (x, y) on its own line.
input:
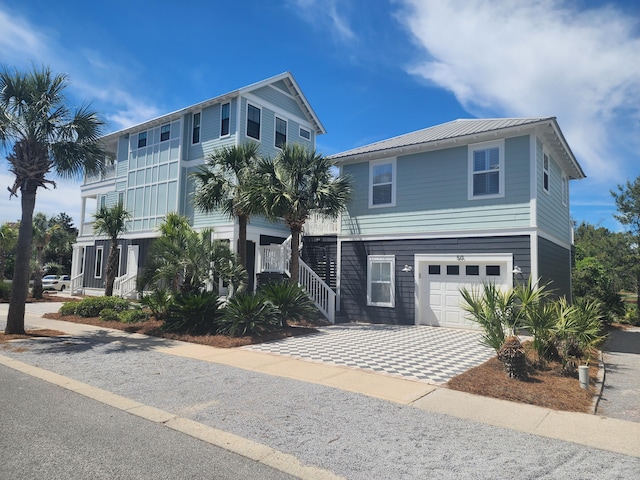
(297, 183)
(627, 199)
(42, 234)
(111, 221)
(592, 282)
(44, 135)
(183, 260)
(59, 249)
(8, 243)
(222, 183)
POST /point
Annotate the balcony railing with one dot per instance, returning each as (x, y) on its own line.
(108, 173)
(321, 225)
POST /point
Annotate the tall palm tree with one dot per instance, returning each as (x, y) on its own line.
(111, 221)
(44, 136)
(297, 183)
(43, 231)
(223, 181)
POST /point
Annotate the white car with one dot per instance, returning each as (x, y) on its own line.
(54, 282)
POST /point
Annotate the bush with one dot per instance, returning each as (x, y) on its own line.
(135, 315)
(109, 315)
(158, 303)
(5, 290)
(247, 314)
(92, 306)
(68, 308)
(291, 300)
(193, 313)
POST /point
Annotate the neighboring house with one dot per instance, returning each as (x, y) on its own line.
(458, 204)
(151, 167)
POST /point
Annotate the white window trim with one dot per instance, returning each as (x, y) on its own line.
(97, 272)
(275, 126)
(394, 175)
(229, 133)
(246, 123)
(193, 126)
(546, 171)
(382, 259)
(300, 129)
(484, 146)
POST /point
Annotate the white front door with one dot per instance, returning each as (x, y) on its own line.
(440, 278)
(132, 259)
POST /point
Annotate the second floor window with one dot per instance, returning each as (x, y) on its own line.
(253, 122)
(545, 172)
(142, 139)
(224, 119)
(165, 132)
(486, 171)
(382, 191)
(281, 132)
(195, 135)
(304, 133)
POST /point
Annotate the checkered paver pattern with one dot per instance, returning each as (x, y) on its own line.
(429, 354)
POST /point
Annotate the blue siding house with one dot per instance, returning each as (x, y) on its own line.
(453, 205)
(151, 166)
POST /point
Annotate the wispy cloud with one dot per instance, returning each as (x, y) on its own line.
(538, 58)
(325, 14)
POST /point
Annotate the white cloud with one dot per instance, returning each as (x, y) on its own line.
(20, 42)
(324, 14)
(538, 58)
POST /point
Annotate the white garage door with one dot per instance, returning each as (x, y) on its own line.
(439, 302)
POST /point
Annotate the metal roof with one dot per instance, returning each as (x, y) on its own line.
(463, 131)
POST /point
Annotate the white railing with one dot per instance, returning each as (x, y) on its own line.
(318, 224)
(108, 173)
(86, 229)
(319, 292)
(276, 258)
(125, 286)
(75, 287)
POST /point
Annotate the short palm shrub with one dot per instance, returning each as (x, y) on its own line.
(157, 302)
(247, 314)
(291, 300)
(193, 313)
(92, 306)
(583, 329)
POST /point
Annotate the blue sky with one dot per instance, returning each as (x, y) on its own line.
(371, 69)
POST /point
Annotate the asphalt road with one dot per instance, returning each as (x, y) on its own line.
(50, 433)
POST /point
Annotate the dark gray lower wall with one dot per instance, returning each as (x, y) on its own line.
(90, 280)
(554, 265)
(353, 271)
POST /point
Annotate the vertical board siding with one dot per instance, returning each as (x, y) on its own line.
(553, 217)
(432, 195)
(321, 254)
(89, 281)
(353, 271)
(554, 265)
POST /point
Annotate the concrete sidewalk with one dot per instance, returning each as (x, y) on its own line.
(596, 431)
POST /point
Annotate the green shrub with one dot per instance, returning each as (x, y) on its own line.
(92, 306)
(109, 315)
(631, 314)
(134, 315)
(193, 313)
(291, 300)
(158, 303)
(5, 290)
(247, 314)
(68, 308)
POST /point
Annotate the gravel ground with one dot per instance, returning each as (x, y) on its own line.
(352, 435)
(621, 393)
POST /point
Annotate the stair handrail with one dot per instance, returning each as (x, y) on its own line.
(320, 293)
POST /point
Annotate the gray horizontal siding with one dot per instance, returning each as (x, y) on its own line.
(554, 265)
(353, 271)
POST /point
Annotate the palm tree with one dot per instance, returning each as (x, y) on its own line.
(111, 221)
(223, 182)
(46, 136)
(297, 183)
(43, 231)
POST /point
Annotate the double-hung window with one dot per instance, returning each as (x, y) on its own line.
(142, 139)
(195, 133)
(381, 280)
(545, 172)
(224, 119)
(253, 122)
(281, 132)
(382, 183)
(165, 132)
(486, 170)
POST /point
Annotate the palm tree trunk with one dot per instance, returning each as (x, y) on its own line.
(21, 270)
(242, 240)
(37, 275)
(112, 267)
(295, 254)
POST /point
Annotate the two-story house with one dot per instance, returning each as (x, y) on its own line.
(151, 167)
(454, 205)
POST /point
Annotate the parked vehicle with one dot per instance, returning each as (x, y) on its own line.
(55, 282)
